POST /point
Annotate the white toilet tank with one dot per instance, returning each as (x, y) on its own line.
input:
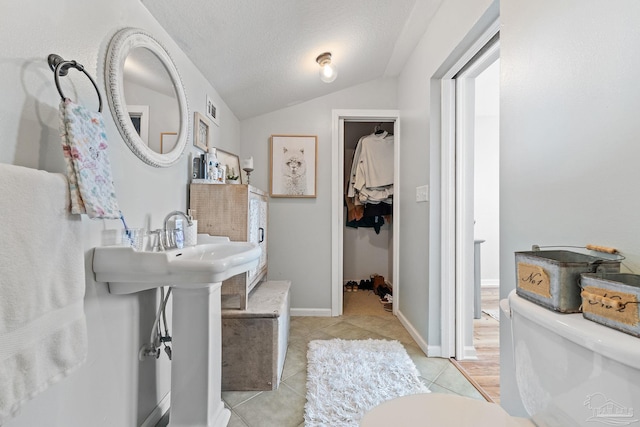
(574, 372)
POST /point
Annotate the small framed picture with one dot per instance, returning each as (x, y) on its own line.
(168, 141)
(201, 131)
(293, 165)
(232, 164)
(212, 111)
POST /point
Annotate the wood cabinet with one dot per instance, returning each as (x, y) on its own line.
(240, 212)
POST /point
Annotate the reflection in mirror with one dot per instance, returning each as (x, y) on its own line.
(146, 97)
(148, 88)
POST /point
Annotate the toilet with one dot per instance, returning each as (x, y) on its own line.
(570, 372)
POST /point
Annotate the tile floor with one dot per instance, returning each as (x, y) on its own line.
(285, 407)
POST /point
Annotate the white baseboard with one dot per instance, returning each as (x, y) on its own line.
(468, 353)
(319, 312)
(414, 334)
(158, 412)
(490, 283)
(434, 351)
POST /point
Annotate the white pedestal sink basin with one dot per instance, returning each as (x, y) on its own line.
(128, 271)
(195, 275)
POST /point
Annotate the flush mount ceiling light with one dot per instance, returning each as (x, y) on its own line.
(328, 71)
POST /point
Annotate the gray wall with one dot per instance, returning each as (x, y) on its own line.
(417, 101)
(569, 135)
(300, 229)
(112, 388)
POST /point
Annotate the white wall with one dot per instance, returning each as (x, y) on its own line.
(417, 100)
(112, 388)
(300, 229)
(487, 172)
(569, 135)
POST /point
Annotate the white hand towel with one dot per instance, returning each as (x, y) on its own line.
(84, 142)
(42, 325)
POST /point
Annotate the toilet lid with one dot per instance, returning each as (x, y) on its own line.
(439, 410)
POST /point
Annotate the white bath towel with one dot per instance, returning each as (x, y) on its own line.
(42, 283)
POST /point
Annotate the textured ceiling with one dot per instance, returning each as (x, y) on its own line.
(260, 54)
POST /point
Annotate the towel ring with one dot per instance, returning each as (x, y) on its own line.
(60, 67)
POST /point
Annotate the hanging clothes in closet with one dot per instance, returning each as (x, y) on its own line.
(369, 188)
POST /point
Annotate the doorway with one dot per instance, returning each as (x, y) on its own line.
(477, 186)
(478, 89)
(373, 117)
(456, 207)
(368, 231)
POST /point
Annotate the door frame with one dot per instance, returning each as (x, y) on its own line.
(339, 117)
(456, 261)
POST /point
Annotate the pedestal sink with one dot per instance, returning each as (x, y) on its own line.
(195, 274)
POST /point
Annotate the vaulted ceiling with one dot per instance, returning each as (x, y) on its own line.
(260, 55)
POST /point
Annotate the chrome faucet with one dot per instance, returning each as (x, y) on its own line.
(166, 238)
(159, 244)
(174, 213)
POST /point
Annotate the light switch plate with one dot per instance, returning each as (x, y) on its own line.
(422, 193)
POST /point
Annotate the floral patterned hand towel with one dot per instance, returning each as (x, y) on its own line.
(84, 142)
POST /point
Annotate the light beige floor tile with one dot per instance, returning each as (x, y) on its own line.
(234, 398)
(303, 341)
(435, 388)
(298, 330)
(314, 323)
(295, 361)
(395, 330)
(429, 367)
(285, 407)
(236, 421)
(298, 383)
(453, 380)
(280, 408)
(347, 331)
(370, 323)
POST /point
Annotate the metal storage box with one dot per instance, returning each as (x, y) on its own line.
(550, 278)
(612, 300)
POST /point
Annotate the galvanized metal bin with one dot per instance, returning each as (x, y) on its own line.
(550, 278)
(612, 300)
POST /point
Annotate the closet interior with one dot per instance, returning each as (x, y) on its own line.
(368, 207)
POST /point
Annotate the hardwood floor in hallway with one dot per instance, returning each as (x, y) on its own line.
(484, 373)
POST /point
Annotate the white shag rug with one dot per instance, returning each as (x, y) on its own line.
(346, 378)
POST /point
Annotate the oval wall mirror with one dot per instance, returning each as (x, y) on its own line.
(146, 97)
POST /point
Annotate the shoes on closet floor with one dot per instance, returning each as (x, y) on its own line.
(388, 298)
(366, 285)
(351, 286)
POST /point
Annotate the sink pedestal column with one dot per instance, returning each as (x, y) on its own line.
(196, 367)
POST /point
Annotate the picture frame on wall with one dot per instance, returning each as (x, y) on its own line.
(293, 165)
(212, 111)
(168, 141)
(201, 131)
(232, 164)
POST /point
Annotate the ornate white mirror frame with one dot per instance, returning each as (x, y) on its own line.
(120, 46)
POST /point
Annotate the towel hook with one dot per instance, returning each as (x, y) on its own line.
(60, 67)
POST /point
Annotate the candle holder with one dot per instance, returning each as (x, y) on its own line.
(248, 171)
